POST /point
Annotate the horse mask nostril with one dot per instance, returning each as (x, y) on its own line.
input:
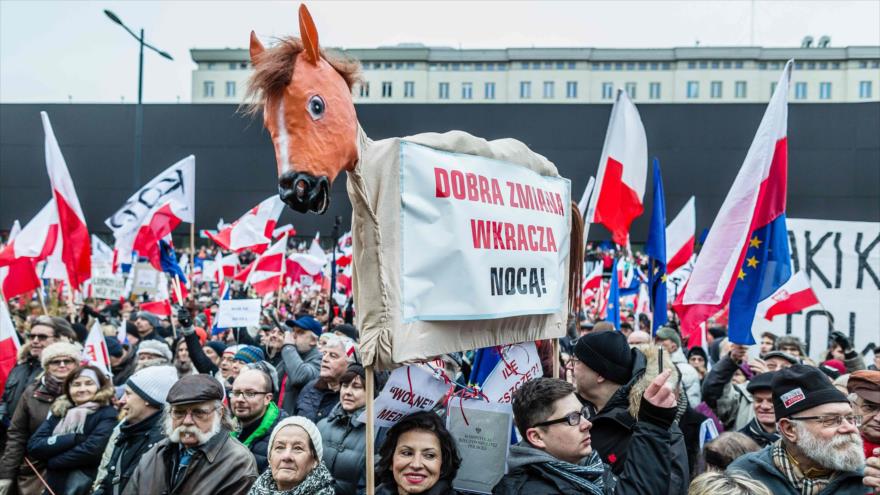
(301, 187)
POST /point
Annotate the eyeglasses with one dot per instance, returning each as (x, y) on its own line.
(573, 419)
(40, 337)
(197, 414)
(62, 362)
(247, 394)
(829, 421)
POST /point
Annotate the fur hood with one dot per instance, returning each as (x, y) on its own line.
(63, 403)
(640, 383)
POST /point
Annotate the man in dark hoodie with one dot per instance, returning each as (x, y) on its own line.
(556, 454)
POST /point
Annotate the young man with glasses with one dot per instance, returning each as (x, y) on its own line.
(556, 455)
(819, 451)
(252, 404)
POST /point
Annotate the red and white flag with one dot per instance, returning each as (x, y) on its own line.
(284, 229)
(157, 224)
(9, 344)
(253, 230)
(680, 237)
(795, 295)
(305, 268)
(36, 240)
(267, 272)
(95, 350)
(623, 171)
(77, 250)
(593, 279)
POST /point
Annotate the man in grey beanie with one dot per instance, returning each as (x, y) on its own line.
(148, 326)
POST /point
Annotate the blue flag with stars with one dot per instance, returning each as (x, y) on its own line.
(656, 250)
(612, 309)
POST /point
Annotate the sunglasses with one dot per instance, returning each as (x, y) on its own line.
(40, 337)
(62, 362)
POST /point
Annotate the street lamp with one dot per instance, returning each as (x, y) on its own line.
(139, 110)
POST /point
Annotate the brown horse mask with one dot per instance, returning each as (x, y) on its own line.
(312, 123)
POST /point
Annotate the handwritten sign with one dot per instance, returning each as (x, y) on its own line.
(106, 284)
(234, 313)
(146, 279)
(481, 238)
(520, 364)
(409, 389)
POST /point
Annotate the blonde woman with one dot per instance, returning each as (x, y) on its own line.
(719, 483)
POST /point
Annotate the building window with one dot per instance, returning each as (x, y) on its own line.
(443, 92)
(549, 89)
(715, 89)
(560, 65)
(738, 64)
(525, 89)
(230, 89)
(739, 89)
(386, 89)
(631, 90)
(654, 90)
(824, 90)
(524, 65)
(467, 91)
(571, 89)
(864, 89)
(571, 66)
(607, 91)
(693, 89)
(800, 91)
(409, 89)
(536, 65)
(365, 90)
(692, 64)
(211, 65)
(208, 89)
(489, 91)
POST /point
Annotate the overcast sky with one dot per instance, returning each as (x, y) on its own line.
(51, 51)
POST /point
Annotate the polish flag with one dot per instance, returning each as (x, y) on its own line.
(267, 272)
(253, 230)
(593, 279)
(157, 224)
(305, 268)
(315, 249)
(284, 229)
(623, 171)
(9, 345)
(77, 246)
(95, 349)
(36, 240)
(680, 237)
(795, 295)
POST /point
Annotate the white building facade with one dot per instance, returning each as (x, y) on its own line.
(418, 74)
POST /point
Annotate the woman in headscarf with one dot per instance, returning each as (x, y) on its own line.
(296, 465)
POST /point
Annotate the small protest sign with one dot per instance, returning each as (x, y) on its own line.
(519, 363)
(209, 270)
(409, 389)
(146, 279)
(482, 434)
(106, 284)
(234, 313)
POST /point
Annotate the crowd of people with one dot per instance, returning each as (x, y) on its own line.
(187, 408)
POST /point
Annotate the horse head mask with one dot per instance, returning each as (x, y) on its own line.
(307, 107)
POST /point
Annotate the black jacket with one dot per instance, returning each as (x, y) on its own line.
(316, 403)
(131, 443)
(201, 362)
(19, 378)
(442, 487)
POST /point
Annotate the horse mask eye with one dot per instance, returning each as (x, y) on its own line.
(316, 107)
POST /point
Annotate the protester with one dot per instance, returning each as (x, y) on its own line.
(864, 389)
(301, 360)
(319, 396)
(213, 350)
(58, 359)
(718, 483)
(182, 361)
(690, 379)
(141, 428)
(74, 435)
(697, 358)
(768, 343)
(762, 428)
(198, 455)
(638, 337)
(245, 355)
(148, 326)
(122, 362)
(296, 464)
(251, 402)
(819, 450)
(726, 448)
(152, 353)
(731, 401)
(346, 330)
(842, 350)
(779, 360)
(418, 456)
(227, 361)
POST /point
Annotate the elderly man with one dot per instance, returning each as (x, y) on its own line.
(779, 360)
(301, 359)
(864, 389)
(198, 455)
(252, 405)
(762, 429)
(820, 451)
(320, 395)
(669, 339)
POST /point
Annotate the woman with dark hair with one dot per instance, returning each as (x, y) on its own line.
(418, 456)
(73, 437)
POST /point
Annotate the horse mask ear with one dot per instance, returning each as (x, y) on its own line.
(256, 48)
(309, 34)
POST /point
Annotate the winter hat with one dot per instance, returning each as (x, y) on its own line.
(666, 333)
(66, 349)
(698, 351)
(114, 348)
(607, 353)
(219, 347)
(232, 349)
(305, 424)
(348, 330)
(153, 383)
(154, 347)
(131, 329)
(836, 365)
(150, 317)
(802, 387)
(763, 381)
(249, 354)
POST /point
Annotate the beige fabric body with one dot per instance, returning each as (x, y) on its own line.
(374, 189)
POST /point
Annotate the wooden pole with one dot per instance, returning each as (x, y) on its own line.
(556, 358)
(371, 430)
(42, 299)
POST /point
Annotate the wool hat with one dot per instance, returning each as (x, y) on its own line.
(802, 387)
(864, 383)
(348, 330)
(131, 329)
(666, 333)
(232, 349)
(219, 347)
(191, 389)
(763, 381)
(150, 317)
(249, 354)
(305, 322)
(607, 353)
(155, 348)
(66, 349)
(305, 424)
(153, 383)
(834, 364)
(698, 351)
(114, 348)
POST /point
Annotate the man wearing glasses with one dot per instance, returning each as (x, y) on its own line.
(864, 389)
(819, 451)
(253, 406)
(198, 455)
(556, 455)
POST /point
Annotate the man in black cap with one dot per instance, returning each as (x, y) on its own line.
(609, 376)
(198, 455)
(762, 428)
(819, 451)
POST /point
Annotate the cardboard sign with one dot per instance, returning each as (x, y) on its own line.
(146, 279)
(234, 313)
(482, 434)
(520, 364)
(106, 284)
(498, 237)
(409, 389)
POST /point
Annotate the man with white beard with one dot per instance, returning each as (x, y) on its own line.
(819, 451)
(199, 456)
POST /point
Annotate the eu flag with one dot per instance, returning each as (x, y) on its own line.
(168, 260)
(612, 310)
(656, 250)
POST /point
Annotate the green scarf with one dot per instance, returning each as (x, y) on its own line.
(266, 423)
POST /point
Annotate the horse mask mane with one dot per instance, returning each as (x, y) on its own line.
(305, 95)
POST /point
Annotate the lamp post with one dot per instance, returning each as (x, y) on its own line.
(139, 109)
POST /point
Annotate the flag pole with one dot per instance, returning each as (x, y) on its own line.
(370, 389)
(192, 250)
(42, 299)
(556, 358)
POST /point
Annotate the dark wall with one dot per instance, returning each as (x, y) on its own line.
(834, 149)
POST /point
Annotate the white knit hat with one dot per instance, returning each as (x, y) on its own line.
(153, 383)
(72, 350)
(154, 347)
(304, 423)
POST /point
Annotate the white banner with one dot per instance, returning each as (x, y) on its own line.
(842, 260)
(234, 313)
(409, 389)
(520, 364)
(106, 284)
(481, 238)
(146, 279)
